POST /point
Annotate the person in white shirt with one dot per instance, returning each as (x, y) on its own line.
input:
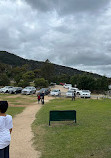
(6, 126)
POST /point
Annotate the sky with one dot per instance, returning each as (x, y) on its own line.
(74, 33)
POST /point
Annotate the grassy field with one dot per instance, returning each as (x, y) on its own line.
(90, 137)
(14, 110)
(17, 103)
(18, 99)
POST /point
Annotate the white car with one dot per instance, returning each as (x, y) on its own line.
(55, 92)
(73, 88)
(69, 93)
(6, 89)
(67, 85)
(76, 90)
(29, 90)
(85, 94)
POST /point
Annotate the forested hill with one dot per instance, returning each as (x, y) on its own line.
(14, 60)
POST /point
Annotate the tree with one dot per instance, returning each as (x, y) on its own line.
(17, 78)
(2, 68)
(74, 80)
(47, 71)
(4, 80)
(23, 83)
(64, 78)
(41, 82)
(37, 73)
(86, 82)
(28, 76)
(102, 84)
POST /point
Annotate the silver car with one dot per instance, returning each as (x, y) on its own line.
(15, 90)
(29, 90)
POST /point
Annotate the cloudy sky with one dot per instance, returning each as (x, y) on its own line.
(75, 33)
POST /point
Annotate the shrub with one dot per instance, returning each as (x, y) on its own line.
(41, 82)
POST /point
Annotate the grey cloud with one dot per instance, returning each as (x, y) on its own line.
(68, 7)
(41, 5)
(100, 69)
(81, 41)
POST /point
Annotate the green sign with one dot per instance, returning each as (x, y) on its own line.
(64, 115)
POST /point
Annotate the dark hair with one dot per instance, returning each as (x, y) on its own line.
(3, 106)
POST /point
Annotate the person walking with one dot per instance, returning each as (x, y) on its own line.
(6, 126)
(38, 97)
(42, 97)
(73, 95)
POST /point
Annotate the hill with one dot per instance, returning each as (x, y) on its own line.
(14, 60)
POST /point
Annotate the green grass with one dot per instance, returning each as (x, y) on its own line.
(18, 99)
(14, 110)
(90, 137)
(14, 100)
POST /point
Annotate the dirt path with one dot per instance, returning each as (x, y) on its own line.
(21, 144)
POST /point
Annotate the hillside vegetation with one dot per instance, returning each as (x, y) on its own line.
(14, 60)
(22, 72)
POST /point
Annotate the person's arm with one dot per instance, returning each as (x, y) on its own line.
(10, 130)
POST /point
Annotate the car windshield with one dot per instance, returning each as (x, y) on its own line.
(74, 88)
(29, 88)
(42, 90)
(85, 91)
(67, 84)
(17, 88)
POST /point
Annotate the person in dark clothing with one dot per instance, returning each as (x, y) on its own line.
(73, 95)
(42, 97)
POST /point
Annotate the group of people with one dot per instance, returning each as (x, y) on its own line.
(40, 97)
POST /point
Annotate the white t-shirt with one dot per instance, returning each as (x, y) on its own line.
(5, 126)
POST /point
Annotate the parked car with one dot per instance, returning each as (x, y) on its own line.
(55, 92)
(52, 84)
(69, 93)
(45, 90)
(67, 85)
(28, 90)
(6, 89)
(15, 90)
(85, 94)
(73, 88)
(62, 83)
